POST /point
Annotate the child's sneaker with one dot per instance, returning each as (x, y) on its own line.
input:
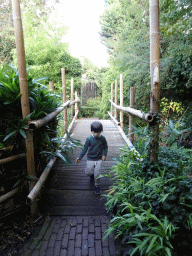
(97, 190)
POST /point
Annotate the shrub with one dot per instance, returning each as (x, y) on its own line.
(150, 203)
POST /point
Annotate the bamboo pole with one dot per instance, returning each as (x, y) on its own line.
(72, 98)
(116, 97)
(9, 194)
(51, 86)
(76, 104)
(114, 120)
(155, 85)
(131, 117)
(121, 100)
(23, 87)
(11, 158)
(64, 97)
(39, 123)
(111, 99)
(145, 116)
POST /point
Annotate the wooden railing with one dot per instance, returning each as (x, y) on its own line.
(132, 112)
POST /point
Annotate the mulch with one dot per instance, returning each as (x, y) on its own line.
(15, 231)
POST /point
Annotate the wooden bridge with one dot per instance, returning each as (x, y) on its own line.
(68, 190)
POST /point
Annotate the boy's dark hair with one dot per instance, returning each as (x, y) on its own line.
(96, 127)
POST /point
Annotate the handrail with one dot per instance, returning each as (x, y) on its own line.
(36, 189)
(128, 142)
(11, 158)
(39, 123)
(9, 194)
(145, 116)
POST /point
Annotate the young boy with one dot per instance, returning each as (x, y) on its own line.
(96, 145)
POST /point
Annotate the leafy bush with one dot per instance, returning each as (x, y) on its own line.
(12, 126)
(150, 203)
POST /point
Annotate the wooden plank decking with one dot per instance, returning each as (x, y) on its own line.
(68, 190)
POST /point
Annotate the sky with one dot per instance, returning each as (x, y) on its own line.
(82, 18)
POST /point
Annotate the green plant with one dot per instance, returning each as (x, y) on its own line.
(150, 203)
(157, 240)
(60, 147)
(12, 125)
(173, 131)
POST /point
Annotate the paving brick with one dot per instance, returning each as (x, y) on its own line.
(112, 248)
(79, 228)
(103, 227)
(71, 248)
(48, 233)
(52, 240)
(60, 234)
(97, 222)
(84, 248)
(44, 247)
(104, 219)
(74, 221)
(91, 239)
(85, 233)
(77, 251)
(58, 220)
(91, 220)
(91, 228)
(63, 252)
(67, 228)
(78, 240)
(97, 233)
(56, 228)
(65, 241)
(57, 248)
(50, 252)
(72, 233)
(53, 222)
(91, 251)
(79, 219)
(106, 251)
(85, 222)
(106, 241)
(98, 248)
(63, 223)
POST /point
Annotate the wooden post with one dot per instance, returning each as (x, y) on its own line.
(155, 86)
(116, 97)
(51, 86)
(111, 99)
(121, 100)
(64, 97)
(72, 98)
(23, 87)
(131, 117)
(19, 40)
(76, 104)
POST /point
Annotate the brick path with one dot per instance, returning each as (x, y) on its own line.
(71, 236)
